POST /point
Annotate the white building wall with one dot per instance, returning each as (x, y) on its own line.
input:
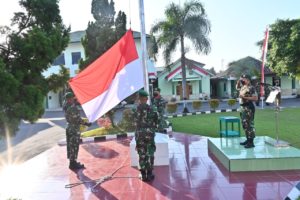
(73, 47)
(53, 100)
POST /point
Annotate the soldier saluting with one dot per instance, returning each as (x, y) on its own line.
(145, 118)
(74, 121)
(247, 95)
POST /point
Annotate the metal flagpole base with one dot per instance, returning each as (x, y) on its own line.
(277, 143)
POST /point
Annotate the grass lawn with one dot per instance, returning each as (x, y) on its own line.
(208, 125)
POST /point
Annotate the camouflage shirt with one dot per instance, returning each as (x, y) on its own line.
(145, 117)
(247, 91)
(72, 115)
(160, 104)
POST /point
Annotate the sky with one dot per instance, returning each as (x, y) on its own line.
(236, 25)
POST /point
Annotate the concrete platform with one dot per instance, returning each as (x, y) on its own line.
(161, 155)
(263, 157)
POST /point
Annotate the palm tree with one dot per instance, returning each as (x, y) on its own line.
(189, 21)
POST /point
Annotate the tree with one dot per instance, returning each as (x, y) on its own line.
(58, 81)
(247, 65)
(104, 32)
(284, 47)
(36, 37)
(212, 71)
(189, 21)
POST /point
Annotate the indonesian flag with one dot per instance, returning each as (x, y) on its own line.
(111, 78)
(264, 58)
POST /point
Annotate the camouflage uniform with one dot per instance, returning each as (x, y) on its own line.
(247, 111)
(160, 104)
(145, 118)
(74, 120)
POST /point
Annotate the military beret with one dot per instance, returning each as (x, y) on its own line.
(246, 76)
(143, 93)
(69, 95)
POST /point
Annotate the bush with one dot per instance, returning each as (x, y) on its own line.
(214, 103)
(231, 102)
(100, 131)
(127, 122)
(173, 99)
(197, 105)
(171, 107)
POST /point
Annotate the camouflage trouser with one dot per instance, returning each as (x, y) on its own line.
(247, 117)
(145, 147)
(73, 140)
(162, 123)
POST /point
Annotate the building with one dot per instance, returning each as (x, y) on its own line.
(198, 80)
(70, 58)
(223, 84)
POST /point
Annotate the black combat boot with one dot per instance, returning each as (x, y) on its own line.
(250, 144)
(81, 166)
(244, 143)
(75, 165)
(143, 175)
(150, 175)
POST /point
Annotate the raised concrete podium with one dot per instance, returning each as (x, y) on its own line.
(161, 155)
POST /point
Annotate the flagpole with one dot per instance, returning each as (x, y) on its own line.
(144, 46)
(264, 55)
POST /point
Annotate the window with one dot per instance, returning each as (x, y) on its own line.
(293, 83)
(200, 86)
(76, 56)
(60, 60)
(225, 87)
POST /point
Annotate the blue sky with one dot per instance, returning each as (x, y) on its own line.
(236, 24)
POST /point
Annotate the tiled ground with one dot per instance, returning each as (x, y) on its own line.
(193, 174)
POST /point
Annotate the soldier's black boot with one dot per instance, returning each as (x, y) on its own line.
(250, 144)
(150, 175)
(79, 165)
(244, 143)
(143, 175)
(75, 165)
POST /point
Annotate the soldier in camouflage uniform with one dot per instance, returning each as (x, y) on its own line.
(74, 120)
(247, 95)
(145, 118)
(160, 104)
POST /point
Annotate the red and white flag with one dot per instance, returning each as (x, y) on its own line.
(264, 58)
(111, 78)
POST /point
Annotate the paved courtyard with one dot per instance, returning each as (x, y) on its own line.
(193, 173)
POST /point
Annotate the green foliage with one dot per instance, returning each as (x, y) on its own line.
(231, 102)
(214, 103)
(36, 37)
(189, 21)
(127, 121)
(247, 65)
(57, 81)
(197, 105)
(104, 32)
(171, 107)
(284, 47)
